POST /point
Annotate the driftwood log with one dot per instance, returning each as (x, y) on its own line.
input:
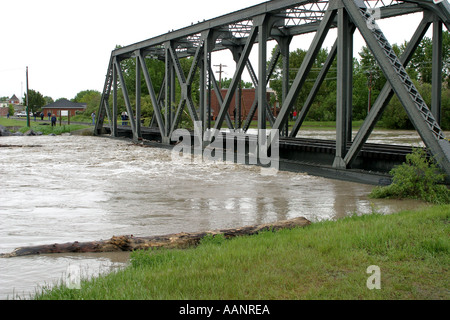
(130, 243)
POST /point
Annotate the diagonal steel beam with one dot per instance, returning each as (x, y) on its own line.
(105, 96)
(255, 83)
(270, 70)
(219, 96)
(305, 68)
(137, 119)
(393, 69)
(185, 85)
(151, 90)
(125, 96)
(237, 75)
(385, 95)
(314, 91)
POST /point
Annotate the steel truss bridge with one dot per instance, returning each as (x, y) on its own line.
(281, 21)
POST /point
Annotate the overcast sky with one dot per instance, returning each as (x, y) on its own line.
(67, 44)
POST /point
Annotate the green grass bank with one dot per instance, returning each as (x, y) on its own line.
(41, 126)
(326, 260)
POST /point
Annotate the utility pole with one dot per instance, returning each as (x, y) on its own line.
(371, 77)
(28, 110)
(220, 73)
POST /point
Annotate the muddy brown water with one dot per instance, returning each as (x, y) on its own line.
(80, 188)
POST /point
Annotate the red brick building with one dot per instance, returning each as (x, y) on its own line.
(3, 111)
(247, 98)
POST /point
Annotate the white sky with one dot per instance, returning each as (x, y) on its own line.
(67, 44)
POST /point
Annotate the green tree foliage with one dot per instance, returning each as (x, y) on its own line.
(417, 178)
(226, 82)
(35, 100)
(90, 97)
(10, 109)
(48, 100)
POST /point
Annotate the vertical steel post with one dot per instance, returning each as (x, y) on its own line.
(349, 81)
(168, 92)
(115, 106)
(237, 51)
(205, 86)
(138, 133)
(284, 43)
(172, 93)
(436, 86)
(202, 91)
(343, 78)
(262, 72)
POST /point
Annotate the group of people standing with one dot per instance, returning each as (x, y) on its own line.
(51, 117)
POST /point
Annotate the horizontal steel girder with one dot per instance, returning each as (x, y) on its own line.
(299, 17)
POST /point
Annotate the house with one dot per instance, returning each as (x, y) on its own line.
(63, 105)
(14, 100)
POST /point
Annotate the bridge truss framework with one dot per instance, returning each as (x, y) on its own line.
(281, 21)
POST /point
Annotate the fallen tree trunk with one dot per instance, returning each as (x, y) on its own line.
(130, 243)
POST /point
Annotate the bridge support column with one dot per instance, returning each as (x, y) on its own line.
(436, 87)
(284, 43)
(138, 133)
(237, 51)
(168, 93)
(344, 87)
(262, 71)
(115, 106)
(205, 80)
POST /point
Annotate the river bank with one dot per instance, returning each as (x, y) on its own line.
(328, 260)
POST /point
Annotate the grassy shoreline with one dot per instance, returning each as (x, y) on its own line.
(326, 260)
(41, 126)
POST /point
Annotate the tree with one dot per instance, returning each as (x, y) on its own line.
(227, 82)
(48, 100)
(421, 63)
(11, 109)
(90, 97)
(35, 100)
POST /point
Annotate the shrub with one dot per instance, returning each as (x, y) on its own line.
(417, 178)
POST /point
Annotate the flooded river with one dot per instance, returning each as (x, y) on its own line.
(80, 188)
